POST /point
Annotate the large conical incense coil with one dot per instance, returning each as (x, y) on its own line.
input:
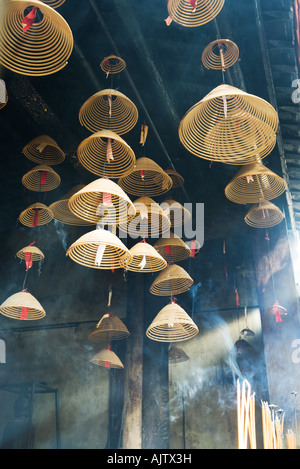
(44, 150)
(112, 64)
(106, 154)
(173, 248)
(145, 259)
(44, 48)
(41, 178)
(108, 109)
(147, 178)
(3, 94)
(177, 355)
(107, 358)
(230, 126)
(36, 253)
(150, 221)
(110, 327)
(264, 215)
(220, 54)
(193, 13)
(100, 249)
(177, 213)
(36, 214)
(254, 182)
(172, 324)
(54, 3)
(173, 280)
(23, 306)
(63, 214)
(177, 179)
(101, 200)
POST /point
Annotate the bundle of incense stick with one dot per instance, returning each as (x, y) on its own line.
(272, 427)
(246, 416)
(291, 439)
(279, 421)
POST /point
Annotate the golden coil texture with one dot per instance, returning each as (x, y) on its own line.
(84, 250)
(44, 150)
(179, 249)
(264, 215)
(254, 182)
(147, 178)
(177, 179)
(177, 213)
(110, 327)
(36, 253)
(92, 154)
(230, 126)
(32, 179)
(12, 306)
(43, 49)
(107, 358)
(172, 324)
(96, 113)
(173, 280)
(211, 56)
(45, 215)
(112, 64)
(154, 262)
(151, 226)
(63, 214)
(54, 3)
(181, 11)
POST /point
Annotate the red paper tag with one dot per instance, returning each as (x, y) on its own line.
(28, 260)
(106, 198)
(193, 4)
(106, 364)
(44, 175)
(168, 250)
(237, 298)
(193, 246)
(36, 217)
(24, 313)
(28, 20)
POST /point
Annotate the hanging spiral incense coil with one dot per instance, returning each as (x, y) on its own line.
(108, 359)
(149, 220)
(112, 64)
(173, 280)
(147, 178)
(110, 327)
(41, 178)
(63, 214)
(101, 201)
(172, 324)
(84, 251)
(220, 54)
(106, 154)
(36, 214)
(41, 50)
(229, 126)
(36, 253)
(177, 179)
(173, 248)
(145, 259)
(54, 3)
(108, 109)
(177, 355)
(264, 215)
(254, 182)
(177, 213)
(44, 150)
(192, 13)
(23, 306)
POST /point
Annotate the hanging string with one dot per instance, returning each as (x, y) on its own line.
(26, 273)
(269, 261)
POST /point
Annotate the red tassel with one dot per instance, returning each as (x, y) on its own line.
(44, 175)
(276, 312)
(193, 246)
(168, 250)
(24, 312)
(168, 20)
(237, 298)
(28, 260)
(28, 20)
(36, 217)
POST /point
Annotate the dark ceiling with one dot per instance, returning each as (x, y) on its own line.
(164, 77)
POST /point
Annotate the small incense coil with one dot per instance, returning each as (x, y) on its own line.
(33, 179)
(147, 178)
(13, 306)
(27, 217)
(112, 64)
(108, 109)
(177, 355)
(177, 179)
(220, 54)
(149, 221)
(36, 253)
(177, 213)
(173, 280)
(193, 245)
(63, 214)
(183, 13)
(229, 126)
(253, 183)
(172, 324)
(93, 154)
(173, 248)
(43, 49)
(90, 203)
(108, 359)
(44, 150)
(264, 215)
(280, 310)
(145, 259)
(54, 3)
(84, 250)
(110, 327)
